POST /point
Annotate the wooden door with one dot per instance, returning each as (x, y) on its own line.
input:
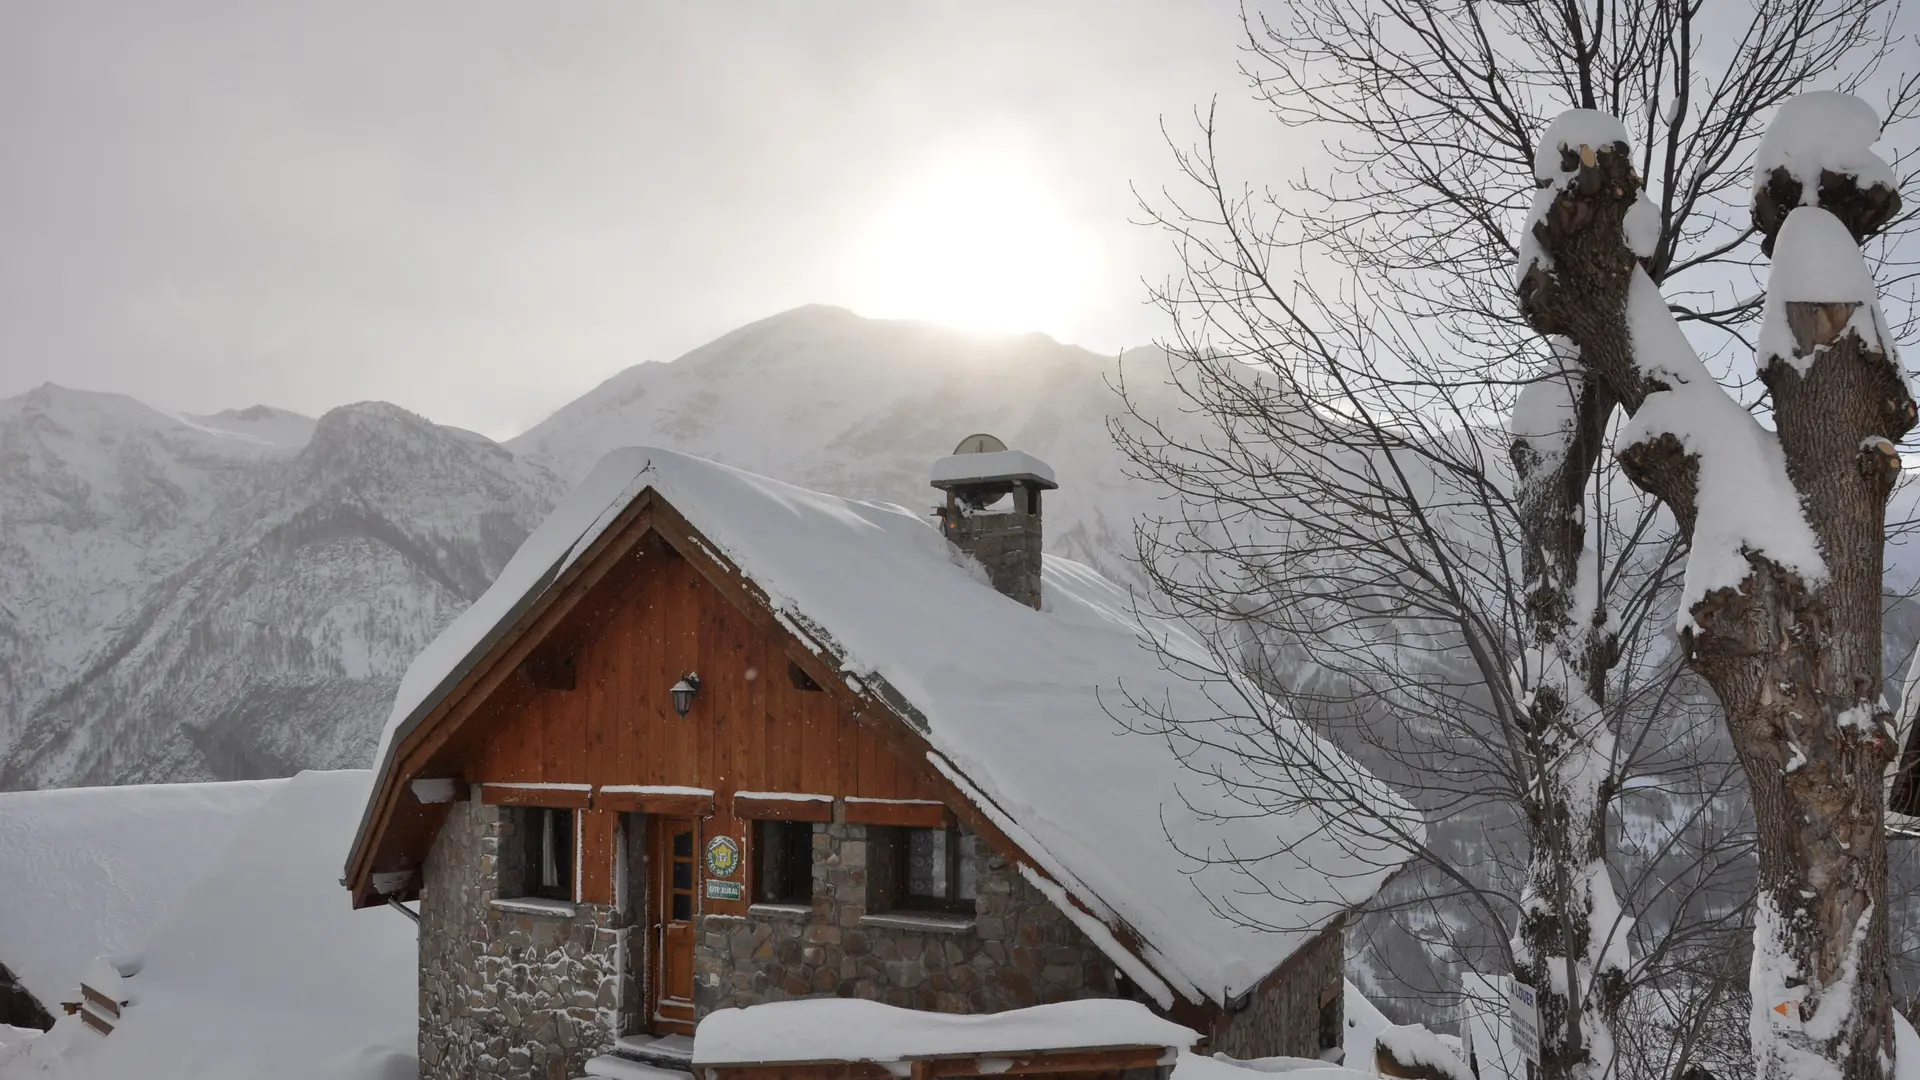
(674, 902)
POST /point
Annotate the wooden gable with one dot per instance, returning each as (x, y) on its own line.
(571, 707)
(750, 729)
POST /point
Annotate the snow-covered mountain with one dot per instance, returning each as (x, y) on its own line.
(823, 398)
(100, 497)
(270, 637)
(236, 595)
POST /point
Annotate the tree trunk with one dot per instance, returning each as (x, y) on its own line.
(1795, 662)
(1570, 740)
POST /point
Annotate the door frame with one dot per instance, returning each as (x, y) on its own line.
(665, 1014)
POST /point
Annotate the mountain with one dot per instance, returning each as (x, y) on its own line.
(236, 595)
(276, 646)
(826, 399)
(101, 497)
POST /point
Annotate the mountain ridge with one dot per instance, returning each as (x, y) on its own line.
(269, 576)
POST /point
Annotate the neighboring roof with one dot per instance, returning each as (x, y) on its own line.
(1015, 706)
(89, 871)
(258, 970)
(850, 1029)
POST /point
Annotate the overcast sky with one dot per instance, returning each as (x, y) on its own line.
(481, 210)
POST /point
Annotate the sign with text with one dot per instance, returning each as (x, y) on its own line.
(722, 890)
(1524, 1011)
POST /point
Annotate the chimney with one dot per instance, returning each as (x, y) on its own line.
(993, 511)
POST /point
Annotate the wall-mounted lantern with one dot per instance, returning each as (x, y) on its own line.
(684, 691)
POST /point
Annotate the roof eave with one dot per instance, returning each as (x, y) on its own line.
(520, 618)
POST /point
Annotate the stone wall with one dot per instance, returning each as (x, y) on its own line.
(1016, 950)
(1286, 1015)
(517, 993)
(507, 993)
(1006, 544)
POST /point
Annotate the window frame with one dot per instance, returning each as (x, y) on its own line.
(536, 825)
(792, 854)
(899, 892)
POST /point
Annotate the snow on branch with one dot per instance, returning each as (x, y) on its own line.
(1820, 292)
(1743, 500)
(1817, 152)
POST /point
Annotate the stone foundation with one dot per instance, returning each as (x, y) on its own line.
(1017, 949)
(519, 993)
(507, 993)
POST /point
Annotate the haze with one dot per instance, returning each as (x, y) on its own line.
(479, 211)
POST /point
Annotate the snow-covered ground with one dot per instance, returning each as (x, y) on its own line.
(261, 968)
(90, 871)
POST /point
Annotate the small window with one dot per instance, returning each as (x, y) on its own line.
(932, 870)
(783, 862)
(549, 853)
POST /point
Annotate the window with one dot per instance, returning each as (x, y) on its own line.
(783, 862)
(929, 870)
(549, 853)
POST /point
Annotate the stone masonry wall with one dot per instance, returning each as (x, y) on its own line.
(1284, 1017)
(1007, 545)
(506, 993)
(1018, 950)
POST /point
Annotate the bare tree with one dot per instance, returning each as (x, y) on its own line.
(1787, 528)
(1345, 530)
(1394, 390)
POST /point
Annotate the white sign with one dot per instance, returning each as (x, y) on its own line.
(1525, 1022)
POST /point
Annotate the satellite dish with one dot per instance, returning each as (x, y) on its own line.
(980, 444)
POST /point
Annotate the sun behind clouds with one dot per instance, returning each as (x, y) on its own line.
(978, 242)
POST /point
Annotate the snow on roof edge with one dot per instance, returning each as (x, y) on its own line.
(593, 503)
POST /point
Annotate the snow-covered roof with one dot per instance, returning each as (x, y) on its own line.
(849, 1029)
(259, 970)
(998, 465)
(1024, 711)
(89, 871)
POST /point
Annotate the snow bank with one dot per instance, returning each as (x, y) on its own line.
(849, 1029)
(1825, 130)
(1365, 1022)
(1196, 1067)
(1019, 704)
(90, 871)
(260, 970)
(1413, 1044)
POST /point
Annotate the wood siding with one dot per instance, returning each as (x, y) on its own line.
(750, 729)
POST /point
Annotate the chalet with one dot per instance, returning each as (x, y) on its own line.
(712, 740)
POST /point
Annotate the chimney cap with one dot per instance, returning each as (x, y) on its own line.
(998, 467)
